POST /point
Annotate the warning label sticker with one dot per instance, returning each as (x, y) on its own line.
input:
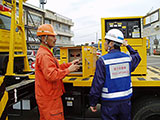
(119, 70)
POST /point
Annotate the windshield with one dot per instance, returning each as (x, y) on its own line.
(5, 22)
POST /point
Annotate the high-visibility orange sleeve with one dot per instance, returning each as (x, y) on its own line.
(65, 65)
(50, 70)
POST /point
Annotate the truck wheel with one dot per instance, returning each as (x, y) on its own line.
(147, 109)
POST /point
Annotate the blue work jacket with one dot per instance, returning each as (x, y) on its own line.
(100, 75)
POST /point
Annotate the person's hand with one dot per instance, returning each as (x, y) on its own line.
(93, 109)
(73, 67)
(76, 62)
(125, 42)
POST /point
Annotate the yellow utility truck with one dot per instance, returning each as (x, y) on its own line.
(15, 74)
(145, 79)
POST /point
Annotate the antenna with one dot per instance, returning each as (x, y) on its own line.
(42, 2)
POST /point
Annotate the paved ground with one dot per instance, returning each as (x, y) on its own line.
(153, 60)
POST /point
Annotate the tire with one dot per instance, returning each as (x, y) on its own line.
(147, 109)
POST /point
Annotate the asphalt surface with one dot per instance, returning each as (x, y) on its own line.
(153, 60)
(34, 115)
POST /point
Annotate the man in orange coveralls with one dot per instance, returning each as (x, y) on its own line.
(48, 76)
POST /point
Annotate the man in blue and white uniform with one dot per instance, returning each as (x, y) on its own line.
(112, 79)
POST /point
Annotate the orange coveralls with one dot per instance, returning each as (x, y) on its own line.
(48, 84)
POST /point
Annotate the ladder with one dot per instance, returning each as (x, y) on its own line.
(20, 26)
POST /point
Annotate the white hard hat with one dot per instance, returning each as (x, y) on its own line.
(115, 35)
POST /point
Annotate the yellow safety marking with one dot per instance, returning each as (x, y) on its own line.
(151, 73)
(149, 81)
(155, 69)
(3, 102)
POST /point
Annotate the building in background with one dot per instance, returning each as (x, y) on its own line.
(35, 16)
(152, 31)
(62, 25)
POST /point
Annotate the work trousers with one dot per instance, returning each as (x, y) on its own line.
(51, 109)
(116, 110)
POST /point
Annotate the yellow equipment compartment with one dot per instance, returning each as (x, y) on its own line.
(88, 57)
(5, 23)
(132, 30)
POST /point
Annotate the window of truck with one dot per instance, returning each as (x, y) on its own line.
(5, 22)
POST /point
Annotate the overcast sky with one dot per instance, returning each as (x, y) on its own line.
(87, 14)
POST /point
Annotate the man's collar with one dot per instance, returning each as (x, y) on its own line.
(46, 47)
